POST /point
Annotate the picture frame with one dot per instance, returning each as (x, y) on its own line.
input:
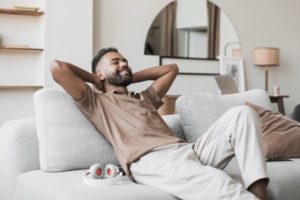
(235, 68)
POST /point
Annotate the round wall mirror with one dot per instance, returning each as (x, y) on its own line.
(191, 29)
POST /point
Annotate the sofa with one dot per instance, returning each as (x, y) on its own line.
(40, 158)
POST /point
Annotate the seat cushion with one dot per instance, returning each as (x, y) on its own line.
(284, 178)
(70, 186)
(198, 111)
(284, 184)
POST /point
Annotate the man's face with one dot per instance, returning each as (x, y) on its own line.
(115, 69)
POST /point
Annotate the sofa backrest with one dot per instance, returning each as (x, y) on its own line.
(62, 125)
(67, 139)
(18, 152)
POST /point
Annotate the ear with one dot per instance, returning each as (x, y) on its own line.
(101, 75)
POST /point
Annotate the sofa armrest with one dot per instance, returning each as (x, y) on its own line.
(18, 152)
(173, 121)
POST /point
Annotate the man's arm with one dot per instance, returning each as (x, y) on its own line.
(73, 78)
(163, 77)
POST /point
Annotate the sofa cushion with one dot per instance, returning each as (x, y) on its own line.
(70, 186)
(173, 121)
(67, 140)
(284, 178)
(281, 135)
(200, 110)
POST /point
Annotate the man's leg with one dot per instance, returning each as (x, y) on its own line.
(237, 132)
(177, 170)
(259, 188)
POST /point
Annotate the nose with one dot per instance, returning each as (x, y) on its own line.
(124, 65)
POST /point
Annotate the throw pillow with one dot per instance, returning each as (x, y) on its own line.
(67, 140)
(281, 135)
(198, 111)
(173, 121)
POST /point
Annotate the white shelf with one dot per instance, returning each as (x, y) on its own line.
(18, 47)
(24, 49)
(20, 12)
(20, 87)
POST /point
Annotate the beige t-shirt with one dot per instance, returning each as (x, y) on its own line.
(130, 122)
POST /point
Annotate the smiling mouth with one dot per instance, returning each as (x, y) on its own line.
(125, 70)
(124, 73)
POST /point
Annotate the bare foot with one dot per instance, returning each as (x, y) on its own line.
(259, 188)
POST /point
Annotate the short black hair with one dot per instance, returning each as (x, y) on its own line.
(100, 54)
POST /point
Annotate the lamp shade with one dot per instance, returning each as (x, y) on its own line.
(266, 56)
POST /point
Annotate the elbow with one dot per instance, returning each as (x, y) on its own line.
(54, 65)
(175, 68)
(55, 68)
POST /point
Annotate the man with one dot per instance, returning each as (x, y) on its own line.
(147, 149)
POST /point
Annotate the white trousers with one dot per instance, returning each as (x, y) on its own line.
(193, 171)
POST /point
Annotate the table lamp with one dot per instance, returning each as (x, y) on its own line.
(266, 57)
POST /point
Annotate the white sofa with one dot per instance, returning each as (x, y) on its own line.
(21, 177)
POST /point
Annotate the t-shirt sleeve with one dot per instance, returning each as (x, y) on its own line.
(153, 97)
(87, 103)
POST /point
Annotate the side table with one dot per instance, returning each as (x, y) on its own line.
(279, 100)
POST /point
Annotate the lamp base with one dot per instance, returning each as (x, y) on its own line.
(266, 78)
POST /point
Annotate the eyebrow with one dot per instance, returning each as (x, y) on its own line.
(118, 59)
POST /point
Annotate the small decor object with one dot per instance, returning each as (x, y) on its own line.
(109, 175)
(97, 171)
(276, 90)
(112, 171)
(235, 68)
(265, 57)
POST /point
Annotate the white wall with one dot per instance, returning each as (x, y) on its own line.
(269, 23)
(69, 34)
(65, 31)
(228, 36)
(20, 68)
(124, 24)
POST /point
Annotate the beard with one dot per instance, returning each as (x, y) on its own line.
(119, 79)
